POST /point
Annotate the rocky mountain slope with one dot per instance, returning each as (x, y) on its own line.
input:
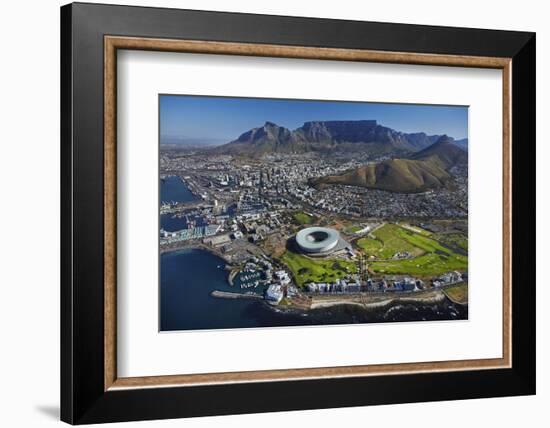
(426, 169)
(327, 136)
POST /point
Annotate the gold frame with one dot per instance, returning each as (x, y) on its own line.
(113, 43)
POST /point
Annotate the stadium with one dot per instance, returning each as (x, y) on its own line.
(321, 241)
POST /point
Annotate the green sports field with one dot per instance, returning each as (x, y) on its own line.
(306, 269)
(430, 257)
(389, 239)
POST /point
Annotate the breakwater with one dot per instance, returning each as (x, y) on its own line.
(232, 295)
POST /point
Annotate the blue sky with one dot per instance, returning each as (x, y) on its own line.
(220, 119)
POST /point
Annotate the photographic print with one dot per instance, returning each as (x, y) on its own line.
(284, 212)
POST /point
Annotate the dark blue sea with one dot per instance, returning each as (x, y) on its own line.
(188, 276)
(172, 189)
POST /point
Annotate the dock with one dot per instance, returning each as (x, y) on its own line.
(231, 295)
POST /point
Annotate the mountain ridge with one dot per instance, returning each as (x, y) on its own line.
(327, 136)
(426, 169)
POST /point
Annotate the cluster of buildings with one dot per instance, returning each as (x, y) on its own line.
(280, 181)
(188, 234)
(255, 225)
(449, 278)
(340, 286)
(241, 203)
(387, 284)
(362, 202)
(281, 287)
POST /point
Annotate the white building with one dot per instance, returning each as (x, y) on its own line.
(274, 293)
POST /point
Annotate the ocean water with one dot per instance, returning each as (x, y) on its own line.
(186, 280)
(188, 276)
(172, 189)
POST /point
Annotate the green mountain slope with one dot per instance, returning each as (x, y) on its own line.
(427, 169)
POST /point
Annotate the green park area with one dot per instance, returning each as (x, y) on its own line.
(354, 228)
(423, 266)
(429, 256)
(457, 240)
(306, 269)
(390, 239)
(302, 218)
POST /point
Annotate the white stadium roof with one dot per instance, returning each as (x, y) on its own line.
(317, 239)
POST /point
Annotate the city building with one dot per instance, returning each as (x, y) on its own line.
(274, 293)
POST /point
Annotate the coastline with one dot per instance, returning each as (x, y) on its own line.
(185, 245)
(181, 246)
(309, 302)
(367, 301)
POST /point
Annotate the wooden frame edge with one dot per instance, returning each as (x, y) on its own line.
(301, 52)
(112, 43)
(507, 213)
(302, 374)
(109, 198)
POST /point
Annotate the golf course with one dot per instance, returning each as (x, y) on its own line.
(426, 255)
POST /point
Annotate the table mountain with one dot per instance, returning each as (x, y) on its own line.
(327, 136)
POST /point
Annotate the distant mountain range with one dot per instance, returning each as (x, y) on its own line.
(188, 142)
(426, 169)
(419, 161)
(462, 143)
(328, 136)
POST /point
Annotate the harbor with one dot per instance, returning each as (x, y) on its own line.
(195, 294)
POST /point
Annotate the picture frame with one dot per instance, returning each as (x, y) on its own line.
(91, 390)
